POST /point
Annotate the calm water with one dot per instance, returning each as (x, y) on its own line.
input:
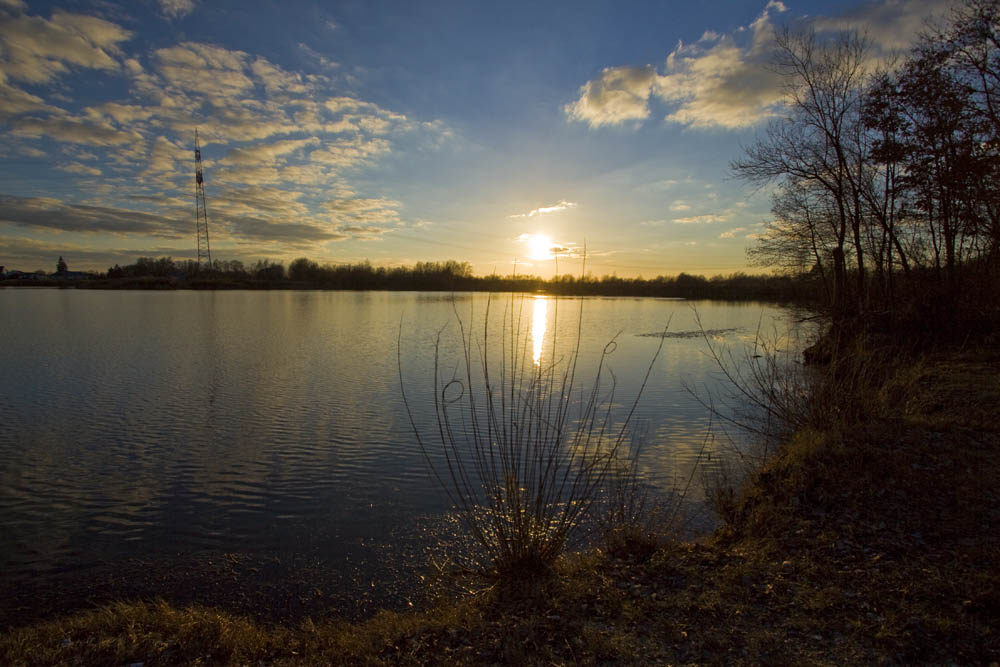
(167, 442)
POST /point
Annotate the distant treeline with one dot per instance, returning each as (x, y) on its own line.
(303, 273)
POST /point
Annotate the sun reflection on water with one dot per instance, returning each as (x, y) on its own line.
(538, 318)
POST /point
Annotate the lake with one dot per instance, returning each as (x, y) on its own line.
(252, 449)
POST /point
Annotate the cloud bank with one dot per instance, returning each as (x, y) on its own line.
(281, 149)
(723, 81)
(562, 205)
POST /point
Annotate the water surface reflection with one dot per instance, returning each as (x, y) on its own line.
(538, 322)
(142, 430)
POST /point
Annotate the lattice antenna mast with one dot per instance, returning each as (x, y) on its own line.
(201, 210)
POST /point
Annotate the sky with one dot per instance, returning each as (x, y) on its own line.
(511, 135)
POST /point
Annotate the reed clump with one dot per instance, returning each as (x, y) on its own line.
(524, 451)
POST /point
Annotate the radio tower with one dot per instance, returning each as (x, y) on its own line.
(201, 210)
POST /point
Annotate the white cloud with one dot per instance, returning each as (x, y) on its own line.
(303, 174)
(619, 95)
(31, 152)
(260, 201)
(133, 66)
(344, 104)
(323, 61)
(78, 168)
(52, 213)
(732, 232)
(164, 156)
(542, 210)
(723, 81)
(345, 153)
(14, 101)
(205, 69)
(718, 87)
(176, 8)
(37, 50)
(27, 253)
(259, 175)
(890, 25)
(277, 143)
(73, 131)
(266, 153)
(707, 218)
(276, 79)
(714, 82)
(296, 234)
(364, 218)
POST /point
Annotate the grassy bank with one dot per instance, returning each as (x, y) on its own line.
(869, 540)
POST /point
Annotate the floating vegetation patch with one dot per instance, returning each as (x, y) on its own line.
(450, 296)
(695, 333)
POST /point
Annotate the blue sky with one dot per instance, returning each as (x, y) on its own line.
(397, 132)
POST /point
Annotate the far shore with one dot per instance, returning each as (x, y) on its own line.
(770, 288)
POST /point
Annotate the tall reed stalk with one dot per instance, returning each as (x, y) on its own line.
(522, 450)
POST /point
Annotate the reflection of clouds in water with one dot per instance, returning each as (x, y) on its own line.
(538, 322)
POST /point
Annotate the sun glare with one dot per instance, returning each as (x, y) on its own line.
(538, 317)
(539, 246)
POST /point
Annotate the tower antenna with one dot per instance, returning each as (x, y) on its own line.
(201, 210)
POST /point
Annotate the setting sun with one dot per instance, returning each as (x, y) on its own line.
(539, 246)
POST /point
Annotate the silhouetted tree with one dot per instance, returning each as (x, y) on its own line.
(303, 269)
(61, 265)
(819, 142)
(265, 270)
(885, 194)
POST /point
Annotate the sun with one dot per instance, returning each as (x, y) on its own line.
(539, 246)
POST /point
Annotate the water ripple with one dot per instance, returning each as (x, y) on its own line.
(272, 423)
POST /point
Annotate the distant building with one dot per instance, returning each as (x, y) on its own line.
(14, 274)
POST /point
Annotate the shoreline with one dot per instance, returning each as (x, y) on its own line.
(772, 289)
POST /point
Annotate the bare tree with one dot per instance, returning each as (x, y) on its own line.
(802, 237)
(818, 142)
(967, 48)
